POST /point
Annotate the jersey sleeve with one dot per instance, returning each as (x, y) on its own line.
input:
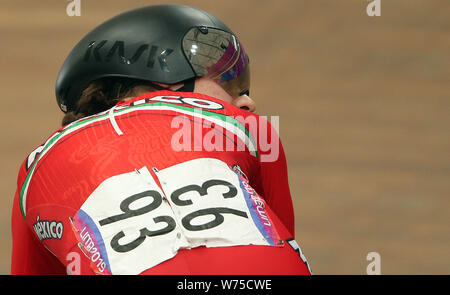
(274, 176)
(29, 256)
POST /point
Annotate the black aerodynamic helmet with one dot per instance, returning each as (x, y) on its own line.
(160, 43)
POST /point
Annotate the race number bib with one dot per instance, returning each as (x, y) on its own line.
(128, 224)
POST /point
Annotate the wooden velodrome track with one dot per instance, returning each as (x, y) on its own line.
(364, 106)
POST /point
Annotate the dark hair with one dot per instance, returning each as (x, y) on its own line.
(101, 95)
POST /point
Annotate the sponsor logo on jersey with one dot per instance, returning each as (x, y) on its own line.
(90, 242)
(46, 229)
(257, 208)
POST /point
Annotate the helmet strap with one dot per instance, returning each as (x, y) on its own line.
(188, 86)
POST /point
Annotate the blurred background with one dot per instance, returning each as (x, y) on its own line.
(364, 107)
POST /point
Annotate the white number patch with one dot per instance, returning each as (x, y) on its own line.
(128, 224)
(207, 198)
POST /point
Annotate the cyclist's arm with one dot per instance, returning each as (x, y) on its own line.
(274, 179)
(28, 254)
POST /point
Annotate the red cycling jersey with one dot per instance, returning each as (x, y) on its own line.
(165, 183)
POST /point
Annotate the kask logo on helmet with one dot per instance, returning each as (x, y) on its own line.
(117, 50)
